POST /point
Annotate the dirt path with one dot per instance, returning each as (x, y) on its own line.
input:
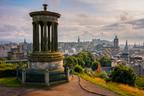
(67, 89)
(88, 86)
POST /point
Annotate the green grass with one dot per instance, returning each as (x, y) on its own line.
(120, 89)
(13, 82)
(140, 82)
(10, 82)
(7, 66)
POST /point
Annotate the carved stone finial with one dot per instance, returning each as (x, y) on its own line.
(45, 7)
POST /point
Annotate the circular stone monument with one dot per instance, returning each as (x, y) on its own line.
(45, 62)
(45, 41)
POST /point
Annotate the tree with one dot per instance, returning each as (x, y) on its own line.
(70, 61)
(87, 58)
(105, 61)
(80, 61)
(94, 65)
(123, 74)
(78, 69)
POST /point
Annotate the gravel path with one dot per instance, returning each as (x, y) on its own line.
(67, 89)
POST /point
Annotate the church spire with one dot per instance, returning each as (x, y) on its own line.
(78, 39)
(25, 40)
(126, 47)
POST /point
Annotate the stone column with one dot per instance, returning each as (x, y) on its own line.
(34, 36)
(48, 38)
(52, 39)
(56, 37)
(42, 37)
(45, 37)
(37, 37)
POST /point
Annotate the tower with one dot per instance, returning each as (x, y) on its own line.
(45, 61)
(78, 39)
(125, 53)
(116, 42)
(126, 48)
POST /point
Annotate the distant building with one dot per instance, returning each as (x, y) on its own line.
(78, 40)
(116, 42)
(15, 53)
(19, 51)
(137, 63)
(115, 49)
(125, 53)
(4, 51)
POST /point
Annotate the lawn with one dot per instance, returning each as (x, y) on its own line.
(140, 82)
(13, 82)
(10, 82)
(121, 89)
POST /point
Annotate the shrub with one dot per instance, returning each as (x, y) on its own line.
(140, 82)
(123, 74)
(7, 70)
(105, 61)
(103, 74)
(70, 61)
(8, 73)
(94, 65)
(78, 69)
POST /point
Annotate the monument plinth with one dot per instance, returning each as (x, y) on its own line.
(45, 60)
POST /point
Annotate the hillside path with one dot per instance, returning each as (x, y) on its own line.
(71, 88)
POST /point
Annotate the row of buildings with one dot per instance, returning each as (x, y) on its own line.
(128, 56)
(14, 51)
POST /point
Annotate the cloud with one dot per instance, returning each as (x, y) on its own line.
(85, 18)
(15, 23)
(131, 30)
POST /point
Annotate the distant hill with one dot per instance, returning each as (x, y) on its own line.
(4, 42)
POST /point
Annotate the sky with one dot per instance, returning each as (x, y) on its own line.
(88, 19)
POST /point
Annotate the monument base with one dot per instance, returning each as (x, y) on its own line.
(55, 65)
(45, 68)
(44, 77)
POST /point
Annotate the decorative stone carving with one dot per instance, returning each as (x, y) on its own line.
(45, 18)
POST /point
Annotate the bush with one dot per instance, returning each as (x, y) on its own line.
(102, 75)
(123, 74)
(140, 82)
(94, 65)
(70, 61)
(78, 69)
(105, 61)
(7, 70)
(8, 73)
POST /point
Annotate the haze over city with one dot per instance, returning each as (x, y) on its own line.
(88, 19)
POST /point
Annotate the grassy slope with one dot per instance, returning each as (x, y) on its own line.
(140, 82)
(121, 89)
(10, 82)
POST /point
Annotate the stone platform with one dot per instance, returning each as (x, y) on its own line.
(46, 61)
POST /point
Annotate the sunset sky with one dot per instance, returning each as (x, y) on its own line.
(89, 19)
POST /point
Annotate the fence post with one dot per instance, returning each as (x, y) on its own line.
(23, 76)
(47, 78)
(67, 73)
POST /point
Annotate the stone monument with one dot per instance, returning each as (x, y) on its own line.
(45, 41)
(45, 57)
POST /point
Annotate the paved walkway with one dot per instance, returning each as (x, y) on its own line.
(67, 89)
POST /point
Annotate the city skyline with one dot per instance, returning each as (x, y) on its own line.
(88, 19)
